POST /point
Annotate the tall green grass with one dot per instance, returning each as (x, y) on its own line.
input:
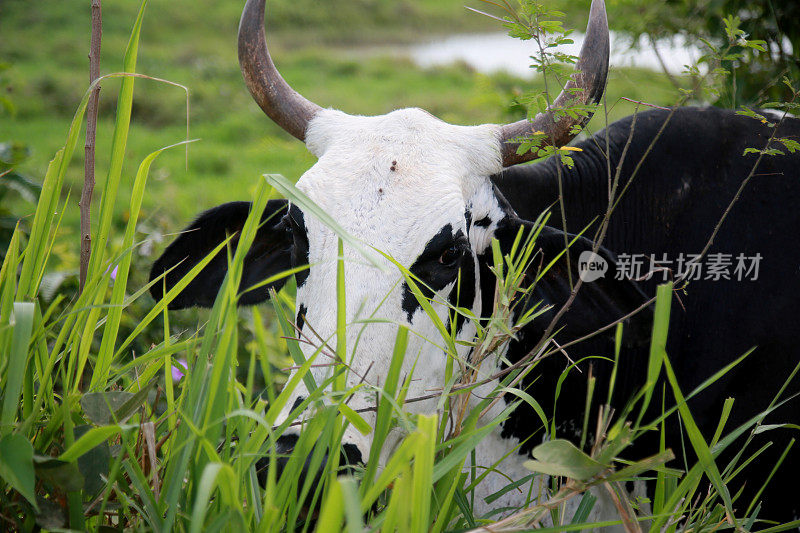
(93, 436)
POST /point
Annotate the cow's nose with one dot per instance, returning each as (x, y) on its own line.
(350, 457)
(283, 449)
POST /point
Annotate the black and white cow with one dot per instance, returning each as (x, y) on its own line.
(434, 195)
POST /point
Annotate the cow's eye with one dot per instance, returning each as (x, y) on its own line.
(452, 255)
(287, 223)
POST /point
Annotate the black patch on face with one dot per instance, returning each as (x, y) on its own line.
(295, 222)
(463, 295)
(468, 217)
(300, 320)
(484, 222)
(349, 459)
(488, 281)
(438, 265)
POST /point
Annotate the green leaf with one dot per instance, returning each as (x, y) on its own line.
(650, 463)
(215, 475)
(383, 416)
(396, 464)
(99, 406)
(527, 398)
(16, 466)
(94, 465)
(511, 486)
(422, 486)
(790, 144)
(584, 508)
(341, 318)
(355, 419)
(330, 519)
(560, 457)
(111, 331)
(22, 327)
(352, 509)
(50, 515)
(700, 446)
(62, 474)
(130, 402)
(88, 441)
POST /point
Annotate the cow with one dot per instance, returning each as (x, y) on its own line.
(435, 195)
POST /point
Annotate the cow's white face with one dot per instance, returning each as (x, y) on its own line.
(408, 185)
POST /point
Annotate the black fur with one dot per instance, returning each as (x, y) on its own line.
(483, 222)
(268, 255)
(301, 317)
(672, 205)
(434, 275)
(597, 304)
(296, 222)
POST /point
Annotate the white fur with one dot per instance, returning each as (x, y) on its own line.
(394, 181)
(484, 204)
(437, 168)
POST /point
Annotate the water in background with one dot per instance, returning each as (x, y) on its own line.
(492, 52)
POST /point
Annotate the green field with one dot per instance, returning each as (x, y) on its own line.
(194, 44)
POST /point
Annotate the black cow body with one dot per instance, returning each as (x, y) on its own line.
(671, 207)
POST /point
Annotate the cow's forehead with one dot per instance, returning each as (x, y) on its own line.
(404, 173)
(356, 150)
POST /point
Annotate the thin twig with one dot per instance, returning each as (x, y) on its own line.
(91, 132)
(639, 102)
(626, 513)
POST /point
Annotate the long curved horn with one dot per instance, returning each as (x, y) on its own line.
(287, 108)
(590, 77)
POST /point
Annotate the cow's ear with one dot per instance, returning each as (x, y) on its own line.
(268, 255)
(600, 300)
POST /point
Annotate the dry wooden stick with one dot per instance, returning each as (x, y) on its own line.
(91, 131)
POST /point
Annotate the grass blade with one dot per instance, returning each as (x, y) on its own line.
(18, 358)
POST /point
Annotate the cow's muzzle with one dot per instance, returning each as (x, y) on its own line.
(349, 458)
